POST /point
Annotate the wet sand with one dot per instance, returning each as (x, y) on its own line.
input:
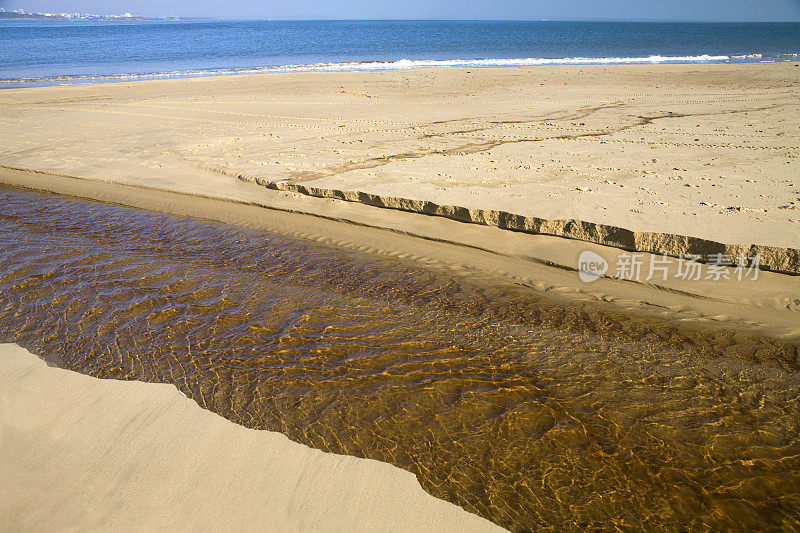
(102, 455)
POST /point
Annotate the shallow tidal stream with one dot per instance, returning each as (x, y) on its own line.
(533, 414)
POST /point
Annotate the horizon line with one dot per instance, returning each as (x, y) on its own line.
(281, 19)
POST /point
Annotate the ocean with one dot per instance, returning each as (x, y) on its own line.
(63, 52)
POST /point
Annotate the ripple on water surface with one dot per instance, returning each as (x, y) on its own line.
(529, 413)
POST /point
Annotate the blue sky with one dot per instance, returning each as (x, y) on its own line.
(713, 10)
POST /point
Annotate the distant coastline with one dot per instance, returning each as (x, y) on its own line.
(21, 14)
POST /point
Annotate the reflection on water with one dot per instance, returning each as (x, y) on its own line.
(531, 414)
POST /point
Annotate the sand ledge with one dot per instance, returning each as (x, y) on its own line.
(773, 258)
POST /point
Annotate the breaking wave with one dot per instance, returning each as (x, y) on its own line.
(390, 65)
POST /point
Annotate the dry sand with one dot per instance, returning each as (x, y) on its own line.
(704, 150)
(80, 453)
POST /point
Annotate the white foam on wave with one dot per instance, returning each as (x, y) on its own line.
(387, 65)
(532, 61)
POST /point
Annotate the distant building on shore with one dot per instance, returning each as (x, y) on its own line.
(22, 14)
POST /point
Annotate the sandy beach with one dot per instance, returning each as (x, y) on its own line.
(595, 144)
(708, 151)
(524, 169)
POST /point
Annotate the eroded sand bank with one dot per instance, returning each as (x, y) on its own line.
(83, 453)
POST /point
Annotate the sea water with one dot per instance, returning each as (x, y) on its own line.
(63, 52)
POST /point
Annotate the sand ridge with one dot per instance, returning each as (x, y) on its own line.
(778, 259)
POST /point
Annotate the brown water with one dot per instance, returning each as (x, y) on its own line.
(532, 414)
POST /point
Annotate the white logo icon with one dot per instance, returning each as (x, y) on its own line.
(591, 266)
